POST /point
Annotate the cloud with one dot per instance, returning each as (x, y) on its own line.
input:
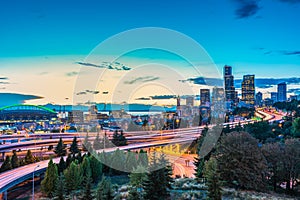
(106, 65)
(43, 73)
(246, 8)
(3, 78)
(263, 83)
(4, 83)
(14, 98)
(288, 53)
(159, 97)
(87, 92)
(105, 92)
(143, 98)
(142, 79)
(205, 81)
(72, 74)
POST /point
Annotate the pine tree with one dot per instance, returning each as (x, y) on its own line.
(131, 161)
(6, 165)
(158, 182)
(87, 146)
(96, 169)
(29, 158)
(97, 143)
(69, 160)
(74, 146)
(143, 158)
(14, 160)
(213, 179)
(60, 191)
(61, 165)
(60, 148)
(73, 176)
(87, 182)
(104, 190)
(117, 161)
(49, 182)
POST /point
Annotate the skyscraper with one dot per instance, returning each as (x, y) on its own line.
(218, 102)
(274, 96)
(259, 99)
(248, 90)
(189, 101)
(281, 92)
(229, 84)
(204, 97)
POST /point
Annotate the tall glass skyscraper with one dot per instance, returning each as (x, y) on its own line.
(229, 84)
(281, 92)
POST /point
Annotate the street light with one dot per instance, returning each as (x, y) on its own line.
(33, 181)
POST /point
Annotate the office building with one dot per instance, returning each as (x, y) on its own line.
(229, 84)
(204, 97)
(293, 97)
(248, 90)
(281, 90)
(259, 99)
(274, 96)
(189, 101)
(218, 102)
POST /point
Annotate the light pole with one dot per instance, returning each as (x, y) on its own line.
(33, 181)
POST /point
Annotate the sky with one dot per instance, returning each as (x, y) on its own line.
(48, 47)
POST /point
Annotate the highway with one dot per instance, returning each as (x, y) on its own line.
(18, 175)
(152, 138)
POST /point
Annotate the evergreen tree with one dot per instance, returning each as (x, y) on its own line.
(60, 149)
(96, 169)
(79, 158)
(199, 163)
(60, 191)
(131, 161)
(69, 160)
(85, 166)
(119, 139)
(74, 146)
(137, 177)
(87, 146)
(104, 190)
(213, 179)
(117, 162)
(158, 181)
(49, 182)
(143, 158)
(14, 160)
(97, 143)
(87, 182)
(73, 176)
(296, 128)
(6, 165)
(29, 158)
(61, 165)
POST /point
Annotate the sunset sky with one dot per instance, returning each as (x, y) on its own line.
(56, 50)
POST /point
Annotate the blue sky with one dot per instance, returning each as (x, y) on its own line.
(258, 37)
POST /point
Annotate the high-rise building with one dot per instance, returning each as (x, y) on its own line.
(218, 102)
(281, 90)
(189, 101)
(274, 96)
(204, 97)
(248, 89)
(229, 84)
(259, 99)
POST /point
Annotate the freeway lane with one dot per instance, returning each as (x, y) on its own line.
(16, 176)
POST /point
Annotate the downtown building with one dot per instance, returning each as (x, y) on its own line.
(281, 92)
(248, 90)
(259, 99)
(230, 94)
(205, 97)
